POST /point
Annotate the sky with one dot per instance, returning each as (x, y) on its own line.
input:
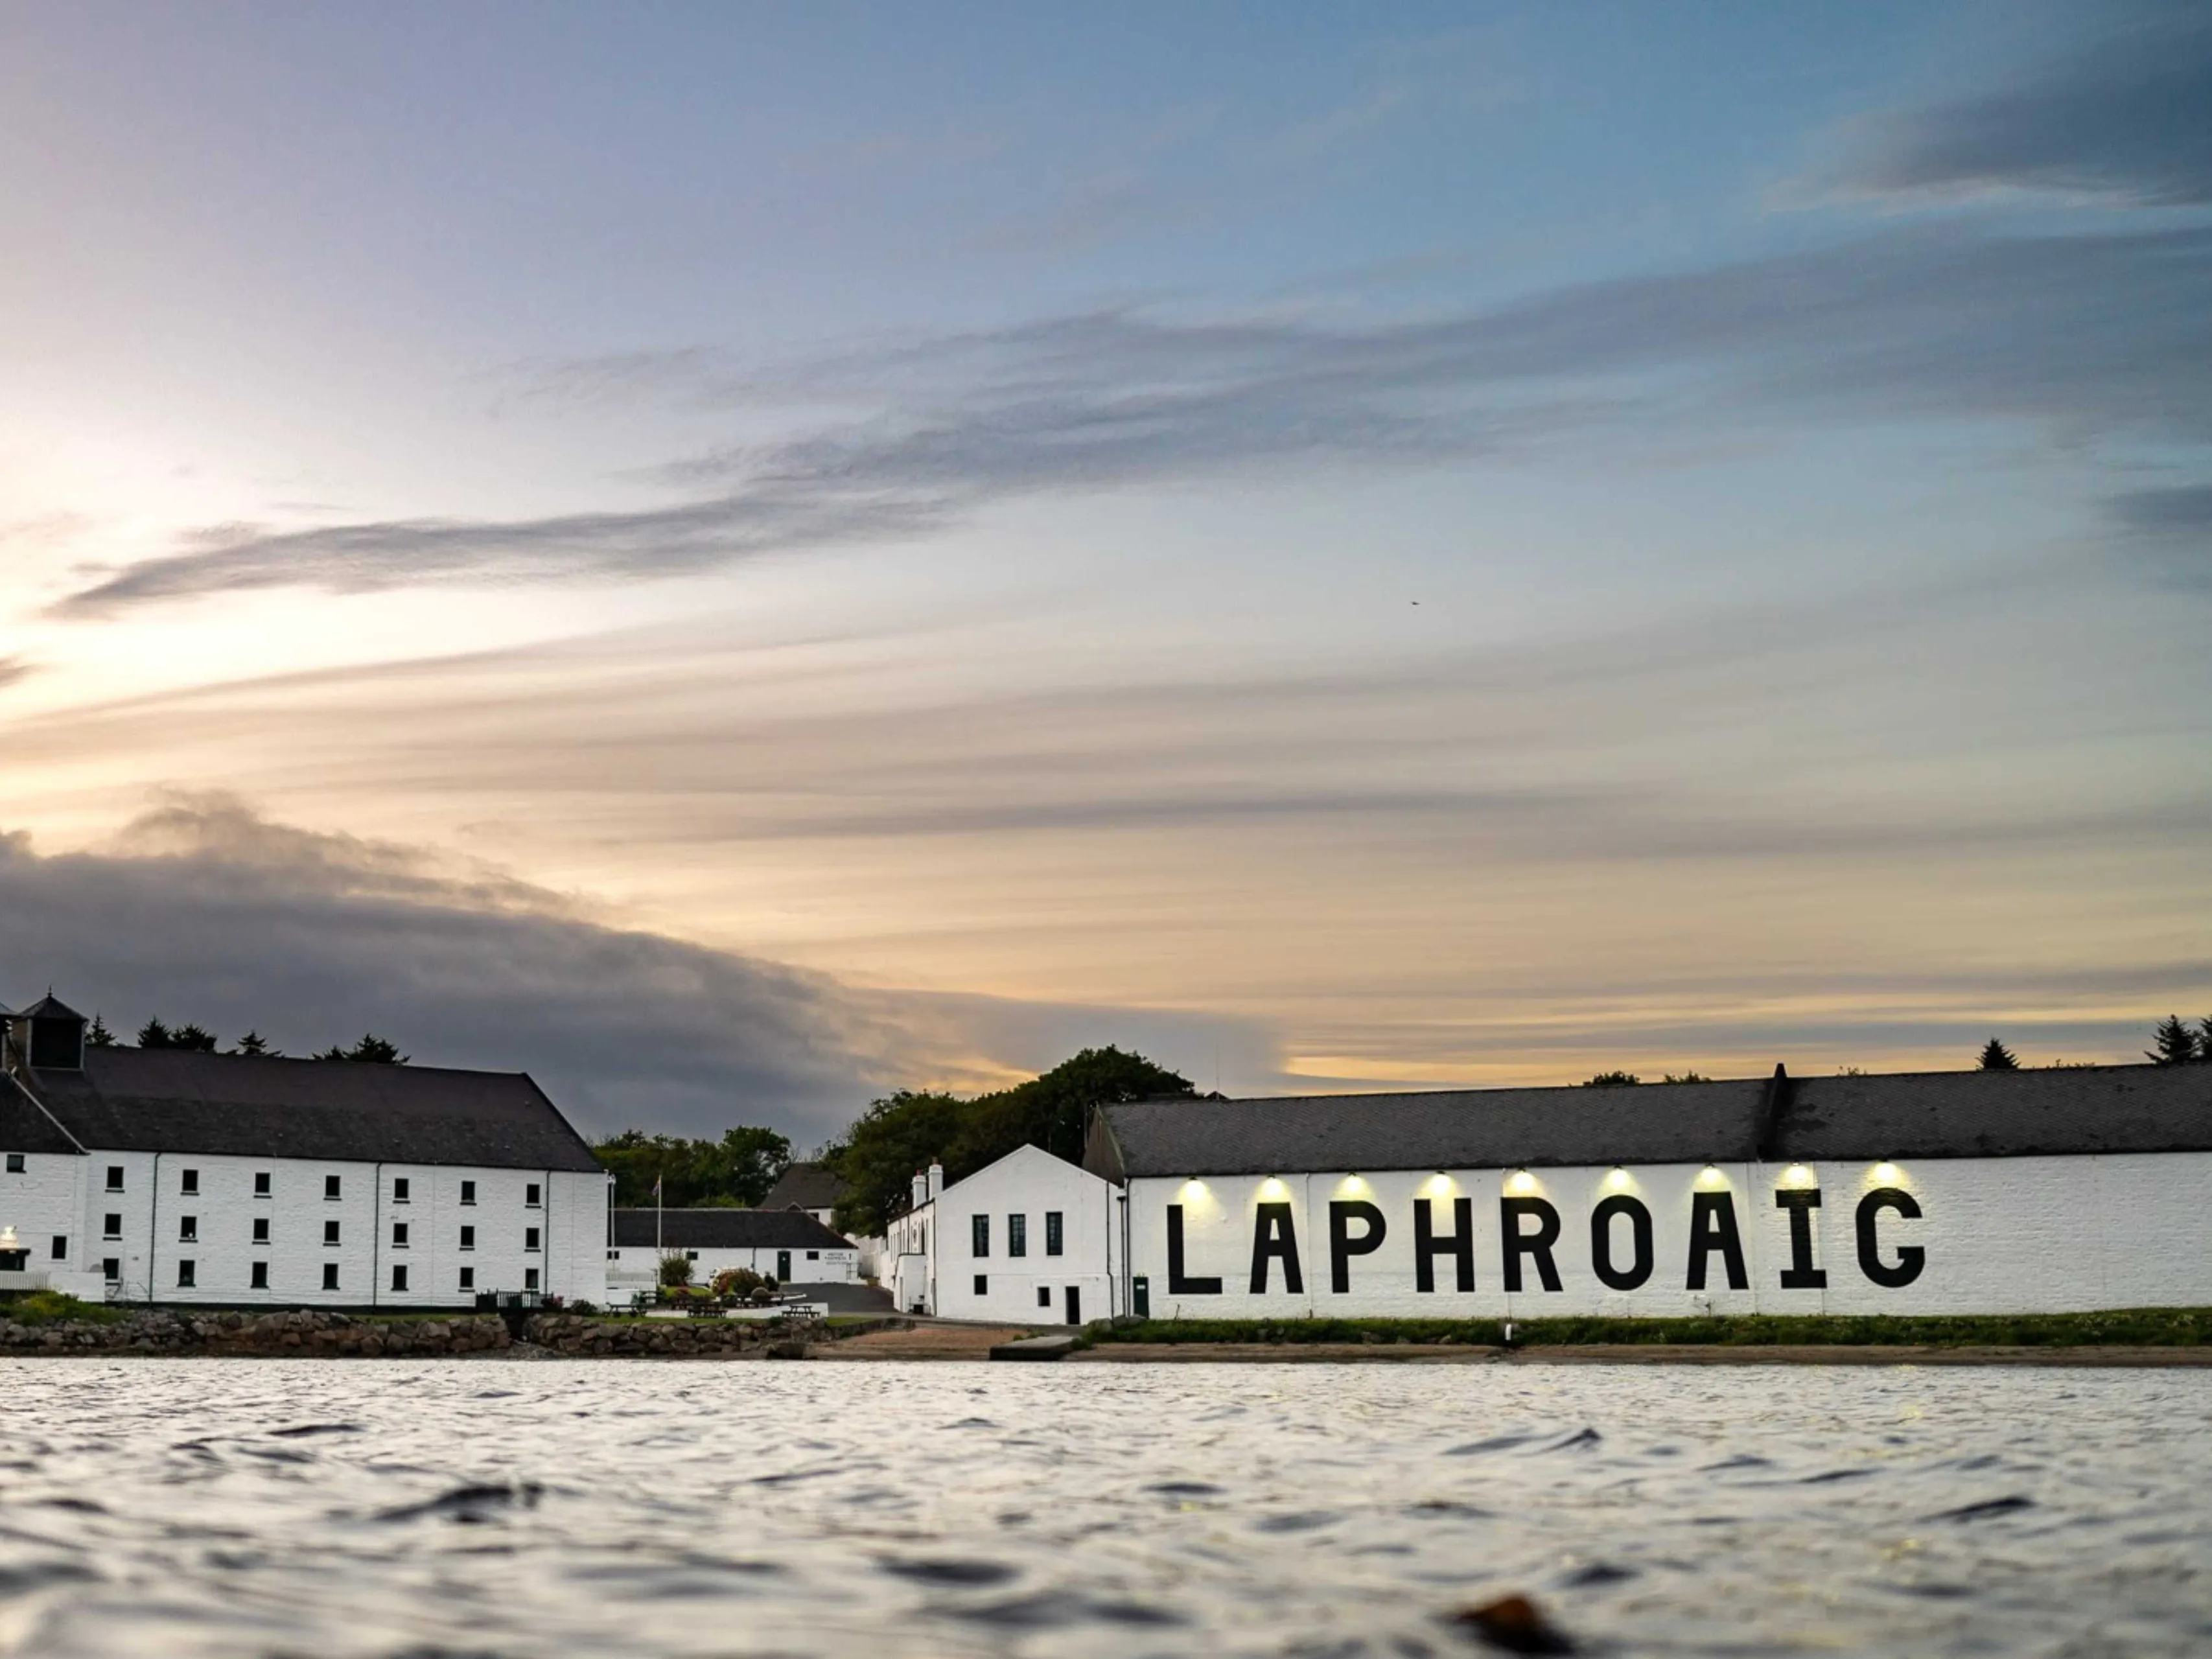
(738, 558)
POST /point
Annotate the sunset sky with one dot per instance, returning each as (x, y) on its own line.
(735, 558)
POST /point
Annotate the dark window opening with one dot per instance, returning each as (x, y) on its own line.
(330, 1275)
(191, 1180)
(399, 1189)
(399, 1276)
(1017, 1235)
(814, 1256)
(530, 1241)
(111, 1226)
(185, 1272)
(61, 1245)
(261, 1183)
(529, 1196)
(261, 1230)
(330, 1186)
(468, 1238)
(1055, 1234)
(15, 1163)
(979, 1228)
(188, 1230)
(468, 1192)
(982, 1284)
(260, 1279)
(398, 1234)
(115, 1177)
(1044, 1296)
(468, 1278)
(330, 1232)
(530, 1278)
(110, 1269)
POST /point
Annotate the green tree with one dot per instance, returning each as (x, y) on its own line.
(254, 1043)
(154, 1034)
(1995, 1057)
(1614, 1080)
(898, 1134)
(2177, 1043)
(371, 1048)
(2204, 1039)
(97, 1035)
(733, 1172)
(1686, 1077)
(192, 1037)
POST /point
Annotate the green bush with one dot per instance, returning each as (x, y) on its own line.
(52, 1308)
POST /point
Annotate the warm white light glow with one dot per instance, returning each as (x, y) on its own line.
(1521, 1183)
(1887, 1174)
(1439, 1182)
(1273, 1188)
(1711, 1176)
(1799, 1175)
(1619, 1179)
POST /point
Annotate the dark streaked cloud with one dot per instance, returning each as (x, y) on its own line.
(14, 668)
(2128, 115)
(205, 911)
(2179, 509)
(2100, 334)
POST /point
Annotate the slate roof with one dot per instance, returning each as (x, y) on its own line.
(726, 1230)
(2106, 1108)
(806, 1186)
(348, 1111)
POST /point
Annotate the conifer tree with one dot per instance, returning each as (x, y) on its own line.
(2177, 1043)
(1995, 1057)
(97, 1035)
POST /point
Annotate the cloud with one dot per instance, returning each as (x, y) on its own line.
(205, 911)
(14, 668)
(2097, 334)
(2182, 509)
(2128, 115)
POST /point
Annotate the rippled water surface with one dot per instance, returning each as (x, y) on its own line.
(239, 1506)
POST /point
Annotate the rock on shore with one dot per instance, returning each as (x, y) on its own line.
(304, 1333)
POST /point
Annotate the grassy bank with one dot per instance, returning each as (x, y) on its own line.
(2151, 1327)
(54, 1307)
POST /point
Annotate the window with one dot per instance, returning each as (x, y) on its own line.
(1017, 1235)
(110, 1269)
(188, 1229)
(398, 1234)
(468, 1278)
(260, 1279)
(330, 1275)
(468, 1192)
(1055, 1236)
(261, 1183)
(979, 1228)
(14, 1164)
(530, 1278)
(61, 1246)
(191, 1180)
(1044, 1296)
(689, 1255)
(111, 1226)
(529, 1196)
(330, 1186)
(185, 1272)
(982, 1284)
(399, 1189)
(811, 1255)
(399, 1276)
(330, 1232)
(115, 1177)
(530, 1241)
(468, 1238)
(261, 1230)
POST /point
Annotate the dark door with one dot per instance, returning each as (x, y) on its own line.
(1075, 1304)
(1141, 1297)
(783, 1267)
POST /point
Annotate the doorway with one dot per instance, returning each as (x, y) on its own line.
(783, 1267)
(1075, 1304)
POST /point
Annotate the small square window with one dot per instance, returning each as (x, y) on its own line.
(330, 1275)
(399, 1189)
(261, 1230)
(529, 1196)
(468, 1238)
(188, 1229)
(260, 1279)
(111, 1226)
(14, 1164)
(530, 1239)
(814, 1256)
(115, 1177)
(398, 1234)
(1044, 1296)
(330, 1232)
(978, 1236)
(468, 1192)
(185, 1271)
(468, 1278)
(1055, 1235)
(691, 1255)
(191, 1180)
(982, 1284)
(399, 1276)
(530, 1278)
(261, 1183)
(1017, 1235)
(61, 1246)
(111, 1268)
(330, 1187)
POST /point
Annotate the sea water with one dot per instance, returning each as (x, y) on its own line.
(327, 1508)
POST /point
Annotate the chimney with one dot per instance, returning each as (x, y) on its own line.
(920, 1189)
(936, 1181)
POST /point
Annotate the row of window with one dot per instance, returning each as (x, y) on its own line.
(1017, 1235)
(188, 1184)
(257, 1276)
(188, 1232)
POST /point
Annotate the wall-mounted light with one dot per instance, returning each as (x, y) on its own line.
(1441, 1181)
(1710, 1176)
(1272, 1187)
(1520, 1181)
(1617, 1178)
(1887, 1174)
(1799, 1175)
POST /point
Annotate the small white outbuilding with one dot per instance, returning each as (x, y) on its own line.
(1032, 1239)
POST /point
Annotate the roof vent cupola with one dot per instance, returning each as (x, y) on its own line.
(53, 1035)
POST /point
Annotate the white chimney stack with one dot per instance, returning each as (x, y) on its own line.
(936, 1181)
(920, 1189)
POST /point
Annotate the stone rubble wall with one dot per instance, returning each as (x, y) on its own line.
(306, 1333)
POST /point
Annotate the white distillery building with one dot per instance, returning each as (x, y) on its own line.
(788, 1246)
(1032, 1239)
(1974, 1192)
(175, 1176)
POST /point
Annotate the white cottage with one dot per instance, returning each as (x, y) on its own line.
(788, 1246)
(177, 1177)
(1030, 1239)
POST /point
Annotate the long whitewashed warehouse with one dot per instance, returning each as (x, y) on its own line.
(171, 1175)
(1975, 1192)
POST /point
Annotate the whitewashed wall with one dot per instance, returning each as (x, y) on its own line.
(2013, 1234)
(1031, 1288)
(568, 1257)
(640, 1264)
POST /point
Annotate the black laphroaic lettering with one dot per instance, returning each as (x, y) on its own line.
(1428, 1247)
(1639, 1236)
(1537, 1244)
(1712, 1227)
(1801, 1275)
(1342, 1246)
(1910, 1258)
(1178, 1285)
(1275, 1236)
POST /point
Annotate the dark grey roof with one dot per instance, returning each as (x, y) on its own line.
(352, 1111)
(806, 1186)
(726, 1230)
(24, 1127)
(50, 1006)
(2106, 1108)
